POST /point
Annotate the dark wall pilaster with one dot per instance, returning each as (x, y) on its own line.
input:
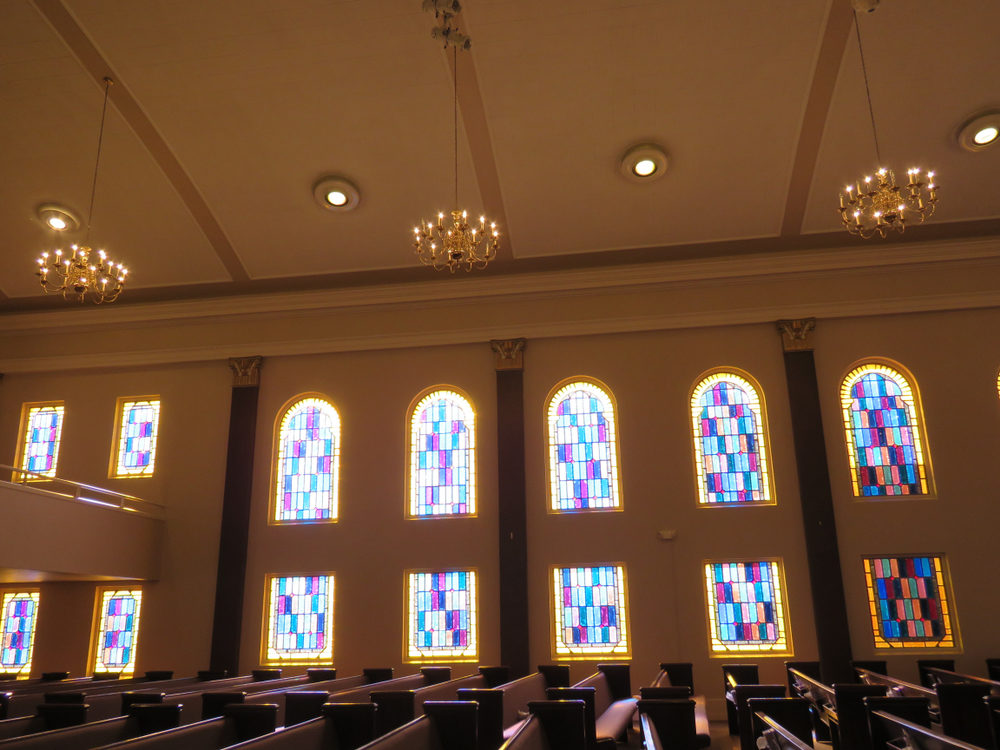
(233, 534)
(822, 553)
(510, 496)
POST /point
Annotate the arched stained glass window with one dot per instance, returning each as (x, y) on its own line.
(746, 610)
(442, 456)
(20, 616)
(583, 452)
(299, 619)
(41, 431)
(909, 602)
(441, 616)
(590, 616)
(730, 441)
(117, 630)
(883, 433)
(136, 427)
(308, 462)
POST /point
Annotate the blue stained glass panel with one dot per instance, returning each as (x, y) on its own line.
(300, 617)
(19, 617)
(591, 601)
(41, 444)
(308, 462)
(747, 609)
(442, 613)
(582, 442)
(442, 465)
(730, 445)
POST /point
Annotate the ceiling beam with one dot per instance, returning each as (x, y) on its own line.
(76, 39)
(831, 53)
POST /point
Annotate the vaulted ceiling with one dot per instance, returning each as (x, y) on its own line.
(225, 114)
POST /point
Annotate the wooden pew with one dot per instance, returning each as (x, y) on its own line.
(925, 665)
(502, 709)
(776, 737)
(681, 674)
(142, 719)
(47, 716)
(733, 675)
(397, 707)
(304, 705)
(238, 724)
(212, 701)
(910, 736)
(993, 707)
(340, 726)
(841, 707)
(791, 713)
(812, 669)
(950, 676)
(910, 708)
(609, 704)
(553, 725)
(669, 723)
(445, 725)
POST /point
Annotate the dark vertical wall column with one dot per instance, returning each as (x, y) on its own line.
(228, 621)
(829, 606)
(511, 502)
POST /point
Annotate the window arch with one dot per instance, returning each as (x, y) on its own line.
(730, 440)
(884, 439)
(308, 461)
(583, 450)
(442, 467)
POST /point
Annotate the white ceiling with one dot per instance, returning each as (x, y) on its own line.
(226, 113)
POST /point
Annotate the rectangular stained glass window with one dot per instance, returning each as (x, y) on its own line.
(117, 630)
(135, 437)
(745, 607)
(20, 615)
(441, 618)
(590, 618)
(41, 426)
(299, 620)
(909, 603)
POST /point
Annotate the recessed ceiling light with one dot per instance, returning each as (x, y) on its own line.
(58, 218)
(336, 194)
(644, 163)
(980, 132)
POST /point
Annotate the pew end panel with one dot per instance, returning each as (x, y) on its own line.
(303, 705)
(679, 673)
(59, 715)
(5, 704)
(434, 675)
(879, 666)
(395, 708)
(963, 712)
(915, 710)
(455, 723)
(673, 721)
(553, 725)
(136, 697)
(377, 674)
(733, 675)
(159, 675)
(353, 724)
(791, 713)
(741, 694)
(495, 676)
(810, 668)
(556, 675)
(584, 694)
(618, 679)
(213, 703)
(320, 674)
(852, 716)
(924, 666)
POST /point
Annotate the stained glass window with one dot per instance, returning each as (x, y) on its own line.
(589, 612)
(909, 603)
(883, 436)
(39, 446)
(299, 620)
(442, 456)
(135, 439)
(729, 441)
(117, 630)
(745, 607)
(441, 621)
(308, 462)
(583, 454)
(20, 615)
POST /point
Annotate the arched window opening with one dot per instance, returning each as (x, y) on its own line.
(442, 470)
(308, 462)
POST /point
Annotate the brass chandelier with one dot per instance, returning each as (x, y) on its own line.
(78, 273)
(877, 204)
(460, 243)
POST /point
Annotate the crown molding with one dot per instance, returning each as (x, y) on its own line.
(643, 275)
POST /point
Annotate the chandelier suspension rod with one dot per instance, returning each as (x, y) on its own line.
(97, 163)
(454, 130)
(868, 93)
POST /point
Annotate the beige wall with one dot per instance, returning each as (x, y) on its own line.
(952, 355)
(191, 454)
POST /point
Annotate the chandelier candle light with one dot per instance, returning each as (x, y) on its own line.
(877, 205)
(460, 244)
(77, 273)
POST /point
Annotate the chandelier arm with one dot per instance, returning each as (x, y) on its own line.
(868, 93)
(97, 162)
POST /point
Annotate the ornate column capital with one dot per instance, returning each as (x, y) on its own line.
(509, 353)
(795, 334)
(246, 371)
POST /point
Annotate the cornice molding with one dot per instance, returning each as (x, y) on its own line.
(644, 275)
